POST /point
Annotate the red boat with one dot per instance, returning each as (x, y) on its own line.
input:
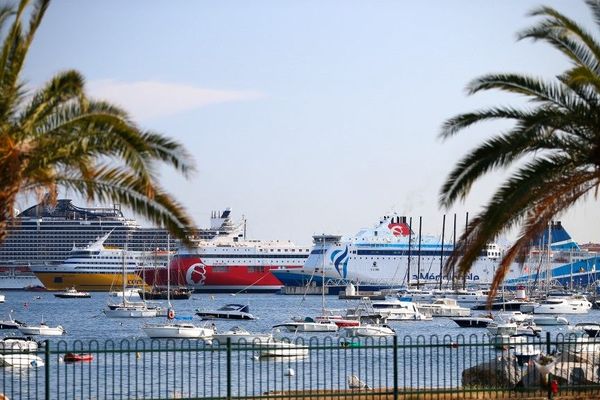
(230, 264)
(73, 357)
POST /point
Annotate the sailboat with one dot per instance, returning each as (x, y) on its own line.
(324, 322)
(183, 330)
(129, 309)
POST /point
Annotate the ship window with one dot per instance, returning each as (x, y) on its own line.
(58, 279)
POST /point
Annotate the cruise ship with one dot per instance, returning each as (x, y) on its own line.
(46, 234)
(231, 264)
(388, 255)
(98, 268)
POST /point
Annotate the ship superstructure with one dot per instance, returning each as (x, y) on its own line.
(45, 234)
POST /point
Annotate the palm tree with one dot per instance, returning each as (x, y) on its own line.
(58, 137)
(553, 146)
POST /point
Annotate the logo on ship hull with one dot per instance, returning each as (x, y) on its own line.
(196, 274)
(339, 258)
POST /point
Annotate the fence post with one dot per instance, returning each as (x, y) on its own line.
(228, 368)
(47, 369)
(395, 358)
(549, 373)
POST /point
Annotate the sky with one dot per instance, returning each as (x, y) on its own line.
(306, 117)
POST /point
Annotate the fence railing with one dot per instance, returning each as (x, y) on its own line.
(319, 367)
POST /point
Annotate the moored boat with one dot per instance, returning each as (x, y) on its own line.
(228, 311)
(238, 335)
(72, 293)
(17, 344)
(21, 361)
(78, 357)
(42, 329)
(473, 322)
(308, 325)
(368, 330)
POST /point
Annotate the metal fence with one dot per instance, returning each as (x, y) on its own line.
(320, 367)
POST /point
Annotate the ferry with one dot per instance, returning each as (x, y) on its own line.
(389, 255)
(46, 233)
(230, 264)
(97, 268)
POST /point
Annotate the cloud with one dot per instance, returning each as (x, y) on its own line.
(152, 99)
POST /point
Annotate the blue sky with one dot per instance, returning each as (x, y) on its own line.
(305, 116)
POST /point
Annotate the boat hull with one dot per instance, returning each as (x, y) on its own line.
(20, 360)
(42, 331)
(174, 332)
(198, 274)
(102, 282)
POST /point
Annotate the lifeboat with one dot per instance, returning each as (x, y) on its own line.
(73, 357)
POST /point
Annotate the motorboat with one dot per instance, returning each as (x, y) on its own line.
(278, 348)
(308, 325)
(239, 335)
(549, 320)
(592, 329)
(2, 298)
(396, 310)
(228, 311)
(514, 316)
(10, 323)
(17, 344)
(77, 357)
(563, 305)
(473, 322)
(72, 293)
(469, 297)
(416, 295)
(444, 307)
(512, 328)
(508, 305)
(178, 330)
(368, 330)
(21, 360)
(42, 329)
(131, 310)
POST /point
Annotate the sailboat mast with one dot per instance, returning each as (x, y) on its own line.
(169, 270)
(124, 273)
(323, 276)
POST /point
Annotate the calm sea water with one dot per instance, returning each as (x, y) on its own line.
(200, 371)
(83, 318)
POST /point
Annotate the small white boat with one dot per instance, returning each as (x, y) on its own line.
(42, 329)
(549, 320)
(17, 344)
(20, 361)
(368, 330)
(2, 298)
(308, 325)
(444, 307)
(592, 329)
(276, 348)
(178, 330)
(514, 316)
(241, 336)
(72, 293)
(131, 310)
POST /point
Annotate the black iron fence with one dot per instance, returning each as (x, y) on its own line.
(320, 367)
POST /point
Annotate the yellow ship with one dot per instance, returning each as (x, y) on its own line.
(97, 268)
